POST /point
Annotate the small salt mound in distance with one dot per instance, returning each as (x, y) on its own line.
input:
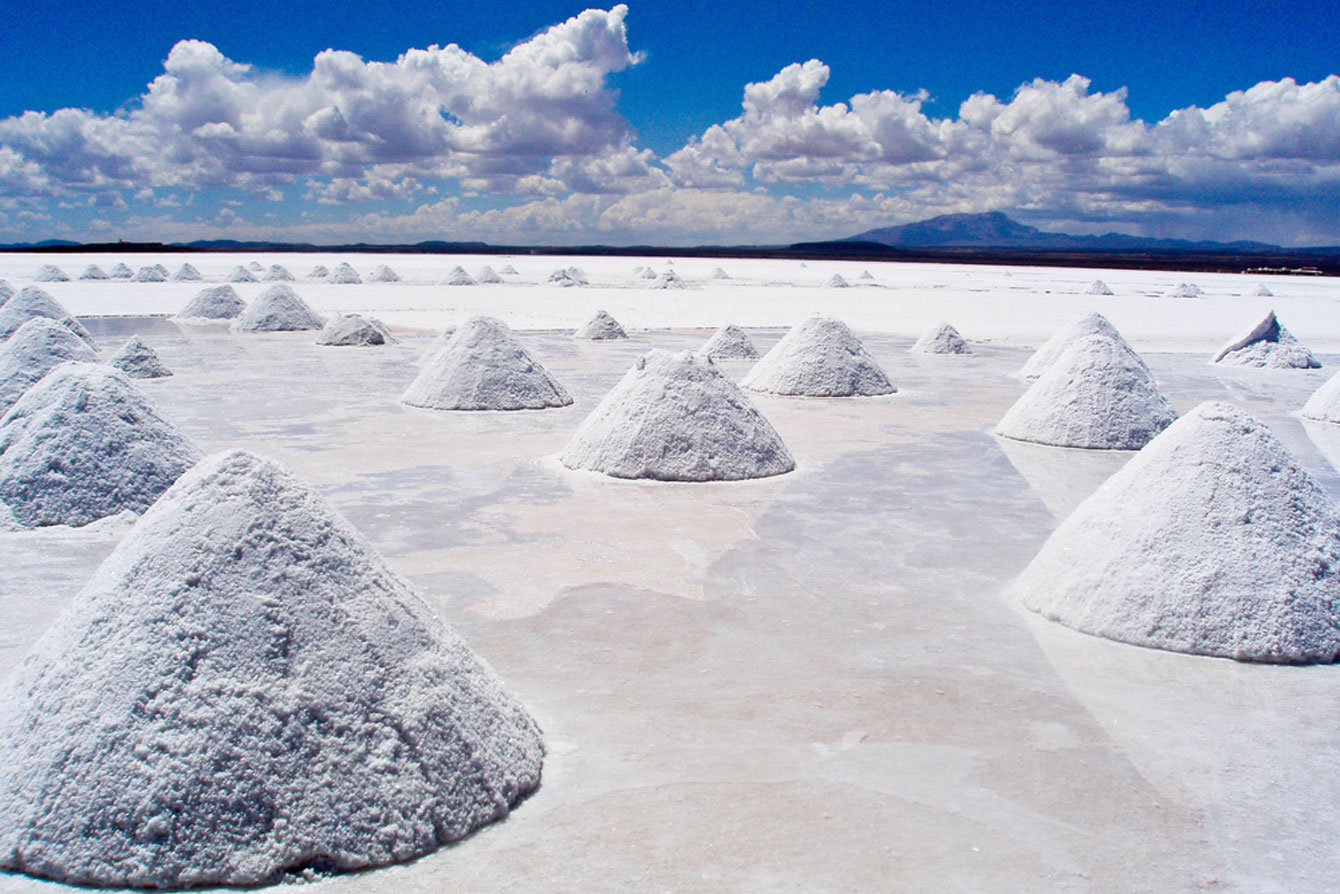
(278, 273)
(563, 279)
(866, 274)
(384, 273)
(836, 282)
(121, 271)
(94, 272)
(1186, 290)
(434, 350)
(639, 270)
(509, 270)
(1324, 404)
(1267, 344)
(255, 266)
(85, 443)
(345, 275)
(186, 273)
(488, 275)
(241, 274)
(485, 367)
(216, 303)
(718, 273)
(675, 417)
(819, 358)
(50, 273)
(1057, 345)
(150, 274)
(1261, 292)
(942, 339)
(729, 343)
(39, 346)
(600, 328)
(319, 272)
(1098, 287)
(139, 361)
(277, 309)
(161, 269)
(354, 330)
(33, 302)
(1212, 540)
(578, 274)
(458, 277)
(1098, 395)
(669, 280)
(647, 273)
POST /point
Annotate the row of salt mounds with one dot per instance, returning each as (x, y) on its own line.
(600, 327)
(278, 273)
(1098, 395)
(319, 272)
(120, 271)
(1098, 287)
(345, 275)
(241, 274)
(94, 273)
(675, 417)
(1324, 404)
(1186, 290)
(729, 343)
(32, 302)
(244, 688)
(187, 273)
(139, 361)
(942, 339)
(214, 303)
(50, 273)
(819, 358)
(457, 276)
(85, 443)
(1058, 344)
(383, 273)
(1267, 344)
(485, 367)
(39, 346)
(277, 309)
(1212, 540)
(352, 330)
(436, 347)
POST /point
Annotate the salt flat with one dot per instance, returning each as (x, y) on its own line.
(807, 682)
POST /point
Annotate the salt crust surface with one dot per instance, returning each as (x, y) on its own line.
(187, 273)
(354, 330)
(139, 361)
(1098, 395)
(1267, 344)
(346, 275)
(485, 367)
(1058, 344)
(50, 273)
(245, 688)
(85, 443)
(942, 339)
(599, 327)
(819, 358)
(277, 309)
(241, 274)
(32, 302)
(214, 303)
(675, 417)
(40, 345)
(1324, 404)
(730, 342)
(1212, 540)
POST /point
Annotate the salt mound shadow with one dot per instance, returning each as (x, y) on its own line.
(1267, 344)
(484, 367)
(819, 358)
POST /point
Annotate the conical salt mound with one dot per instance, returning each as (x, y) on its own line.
(578, 275)
(278, 273)
(1324, 404)
(435, 349)
(647, 273)
(836, 282)
(1097, 395)
(85, 443)
(33, 302)
(139, 361)
(243, 690)
(488, 275)
(509, 270)
(1267, 344)
(1098, 287)
(600, 328)
(277, 309)
(1211, 540)
(675, 417)
(121, 271)
(384, 273)
(241, 274)
(39, 346)
(458, 277)
(354, 330)
(729, 343)
(718, 273)
(50, 273)
(319, 272)
(346, 275)
(186, 273)
(94, 272)
(819, 358)
(215, 303)
(485, 367)
(943, 339)
(1058, 344)
(150, 274)
(866, 274)
(1186, 290)
(669, 280)
(1261, 292)
(562, 278)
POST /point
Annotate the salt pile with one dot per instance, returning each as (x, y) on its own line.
(600, 328)
(647, 273)
(484, 367)
(277, 309)
(509, 270)
(669, 280)
(1212, 540)
(150, 274)
(255, 266)
(435, 348)
(942, 339)
(39, 346)
(1267, 344)
(1186, 290)
(241, 274)
(819, 358)
(85, 443)
(278, 273)
(121, 271)
(675, 417)
(1054, 347)
(319, 272)
(139, 361)
(836, 282)
(639, 270)
(718, 273)
(94, 272)
(488, 275)
(245, 689)
(216, 303)
(1098, 287)
(50, 273)
(1098, 395)
(563, 279)
(1261, 292)
(866, 274)
(578, 274)
(6, 291)
(384, 273)
(353, 330)
(458, 277)
(33, 302)
(729, 343)
(345, 275)
(1324, 404)
(187, 273)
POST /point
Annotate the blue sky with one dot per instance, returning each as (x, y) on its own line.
(639, 123)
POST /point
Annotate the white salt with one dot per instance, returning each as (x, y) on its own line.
(1261, 292)
(1098, 287)
(488, 275)
(1186, 290)
(354, 330)
(1054, 347)
(718, 273)
(345, 275)
(669, 280)
(50, 273)
(319, 272)
(94, 272)
(647, 273)
(255, 266)
(729, 343)
(600, 327)
(435, 348)
(1267, 344)
(39, 346)
(1324, 404)
(384, 273)
(139, 361)
(278, 273)
(277, 309)
(941, 339)
(836, 282)
(31, 302)
(458, 277)
(509, 270)
(819, 358)
(150, 274)
(485, 367)
(186, 273)
(563, 279)
(121, 271)
(215, 303)
(241, 274)
(866, 274)
(6, 291)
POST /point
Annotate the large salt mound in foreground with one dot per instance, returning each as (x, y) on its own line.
(943, 339)
(32, 302)
(1212, 540)
(730, 342)
(1098, 395)
(85, 443)
(245, 689)
(675, 417)
(139, 361)
(277, 309)
(40, 345)
(600, 327)
(819, 358)
(484, 367)
(215, 303)
(1324, 404)
(1058, 344)
(1267, 344)
(352, 330)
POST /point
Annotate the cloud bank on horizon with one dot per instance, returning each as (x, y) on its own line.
(441, 144)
